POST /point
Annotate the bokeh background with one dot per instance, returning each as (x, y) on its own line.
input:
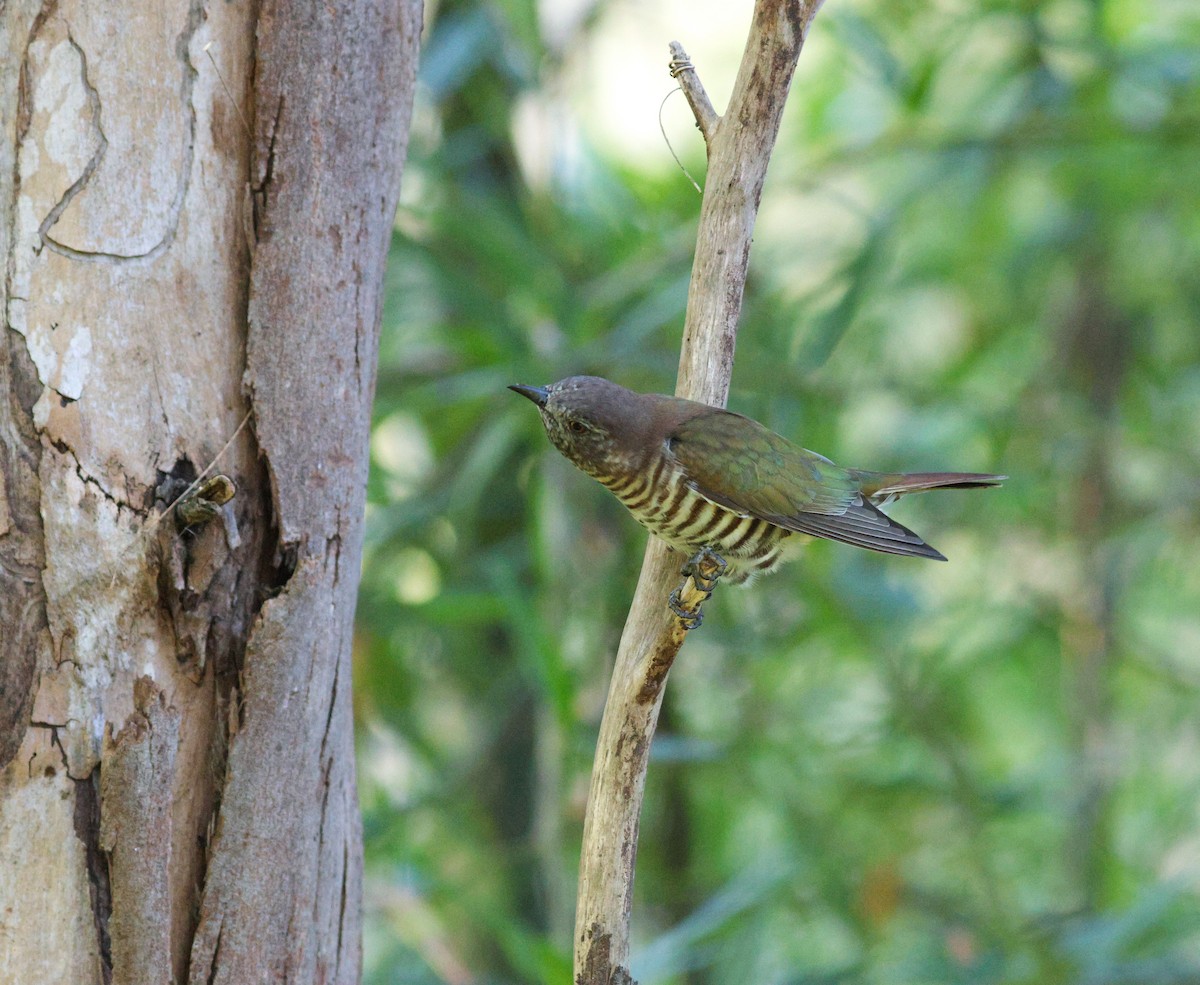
(979, 249)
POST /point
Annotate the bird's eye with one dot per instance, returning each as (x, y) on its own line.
(577, 426)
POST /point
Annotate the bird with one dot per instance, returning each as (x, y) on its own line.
(708, 480)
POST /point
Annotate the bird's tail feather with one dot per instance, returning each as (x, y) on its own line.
(888, 485)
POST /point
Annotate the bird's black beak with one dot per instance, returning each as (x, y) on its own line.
(538, 394)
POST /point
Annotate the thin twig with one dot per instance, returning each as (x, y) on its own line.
(667, 139)
(221, 78)
(684, 71)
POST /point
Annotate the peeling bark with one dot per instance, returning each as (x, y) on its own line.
(22, 545)
(176, 756)
(22, 599)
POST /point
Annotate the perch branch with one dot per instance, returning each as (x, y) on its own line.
(738, 156)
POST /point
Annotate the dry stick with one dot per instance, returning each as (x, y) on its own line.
(684, 72)
(739, 147)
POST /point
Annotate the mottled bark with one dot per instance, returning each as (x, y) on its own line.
(195, 208)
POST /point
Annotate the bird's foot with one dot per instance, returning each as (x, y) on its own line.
(704, 568)
(691, 618)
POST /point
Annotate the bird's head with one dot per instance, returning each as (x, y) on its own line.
(594, 423)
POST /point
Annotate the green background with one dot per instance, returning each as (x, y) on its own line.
(979, 250)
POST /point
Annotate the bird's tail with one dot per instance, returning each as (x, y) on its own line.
(883, 487)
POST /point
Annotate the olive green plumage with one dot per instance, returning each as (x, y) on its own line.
(700, 476)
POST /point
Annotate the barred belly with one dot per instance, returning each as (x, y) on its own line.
(663, 502)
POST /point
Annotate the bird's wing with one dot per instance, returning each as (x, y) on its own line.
(742, 465)
(737, 463)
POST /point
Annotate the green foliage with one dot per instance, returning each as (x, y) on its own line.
(979, 249)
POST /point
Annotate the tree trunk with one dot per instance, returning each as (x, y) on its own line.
(195, 207)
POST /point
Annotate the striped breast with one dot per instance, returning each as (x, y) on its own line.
(665, 503)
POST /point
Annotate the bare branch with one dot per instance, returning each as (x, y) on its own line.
(738, 159)
(684, 72)
(739, 149)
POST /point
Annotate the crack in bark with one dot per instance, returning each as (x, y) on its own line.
(52, 728)
(268, 177)
(336, 543)
(208, 841)
(337, 671)
(88, 479)
(342, 904)
(87, 829)
(258, 190)
(89, 169)
(360, 324)
(326, 762)
(24, 114)
(216, 956)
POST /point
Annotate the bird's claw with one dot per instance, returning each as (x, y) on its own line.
(705, 568)
(690, 618)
